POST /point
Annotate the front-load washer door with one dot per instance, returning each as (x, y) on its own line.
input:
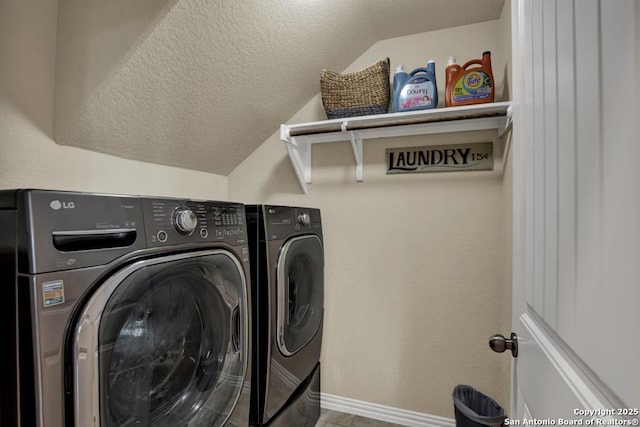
(300, 283)
(163, 342)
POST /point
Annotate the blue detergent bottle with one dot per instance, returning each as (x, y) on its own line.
(399, 78)
(416, 90)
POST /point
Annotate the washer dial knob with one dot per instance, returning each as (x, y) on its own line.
(185, 221)
(304, 218)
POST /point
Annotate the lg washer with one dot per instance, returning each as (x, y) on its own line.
(123, 311)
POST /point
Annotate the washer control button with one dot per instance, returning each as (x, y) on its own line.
(204, 233)
(185, 220)
(162, 236)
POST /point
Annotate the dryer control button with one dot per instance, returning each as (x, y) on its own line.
(185, 221)
(162, 236)
(304, 218)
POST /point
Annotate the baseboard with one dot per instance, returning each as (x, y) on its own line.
(383, 413)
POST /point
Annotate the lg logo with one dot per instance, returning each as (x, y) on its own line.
(57, 205)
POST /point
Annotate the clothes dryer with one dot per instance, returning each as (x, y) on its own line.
(123, 311)
(287, 252)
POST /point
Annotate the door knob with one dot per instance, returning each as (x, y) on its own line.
(499, 344)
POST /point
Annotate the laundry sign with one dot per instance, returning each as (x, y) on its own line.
(440, 158)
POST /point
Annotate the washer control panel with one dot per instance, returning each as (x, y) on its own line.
(174, 221)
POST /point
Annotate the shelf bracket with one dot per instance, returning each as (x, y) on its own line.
(356, 145)
(300, 157)
(506, 123)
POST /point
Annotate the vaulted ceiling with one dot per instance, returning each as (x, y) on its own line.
(200, 84)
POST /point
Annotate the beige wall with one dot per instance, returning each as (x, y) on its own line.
(415, 264)
(92, 37)
(28, 155)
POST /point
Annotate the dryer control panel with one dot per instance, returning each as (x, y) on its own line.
(175, 221)
(282, 221)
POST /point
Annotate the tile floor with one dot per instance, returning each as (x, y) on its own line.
(338, 419)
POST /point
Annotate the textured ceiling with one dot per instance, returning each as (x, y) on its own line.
(200, 84)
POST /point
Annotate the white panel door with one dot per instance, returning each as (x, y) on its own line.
(576, 211)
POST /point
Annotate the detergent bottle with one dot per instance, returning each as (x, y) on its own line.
(399, 78)
(416, 90)
(471, 83)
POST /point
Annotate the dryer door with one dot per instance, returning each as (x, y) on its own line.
(300, 275)
(163, 342)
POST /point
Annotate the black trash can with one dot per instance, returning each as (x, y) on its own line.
(474, 409)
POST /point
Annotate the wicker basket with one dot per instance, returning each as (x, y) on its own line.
(356, 94)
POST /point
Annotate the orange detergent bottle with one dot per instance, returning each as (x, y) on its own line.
(470, 84)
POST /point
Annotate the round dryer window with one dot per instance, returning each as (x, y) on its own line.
(170, 343)
(300, 292)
